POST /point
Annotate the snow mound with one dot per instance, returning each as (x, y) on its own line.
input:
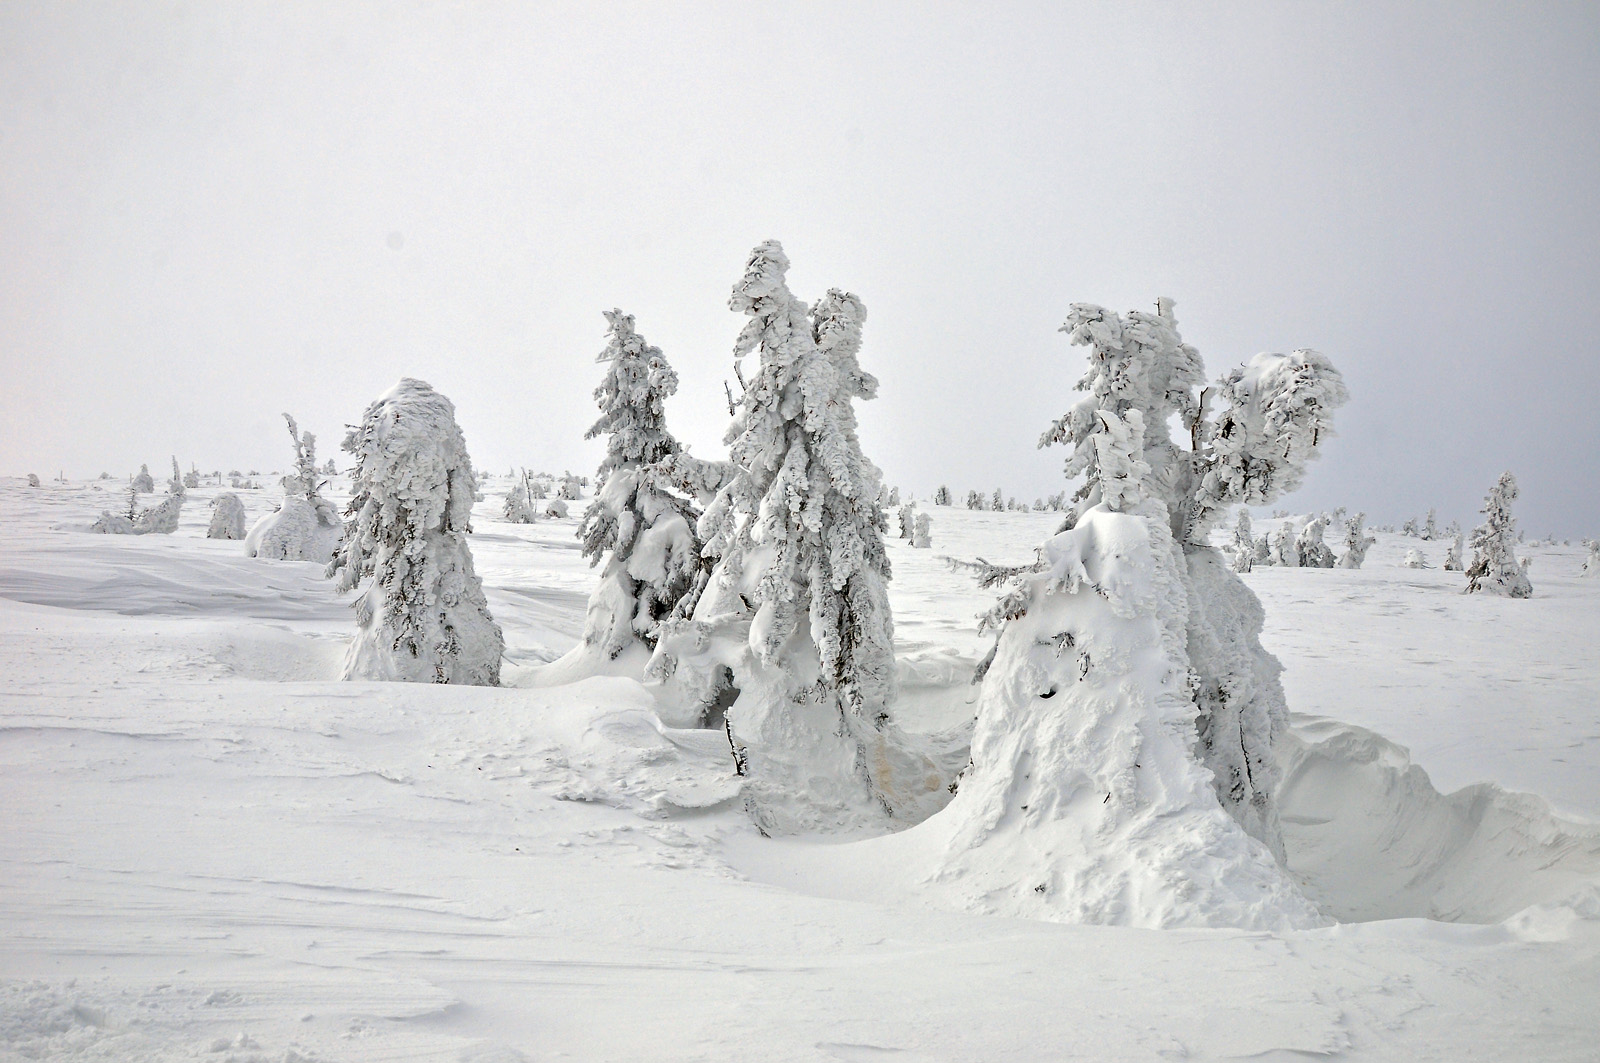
(1085, 802)
(300, 530)
(1375, 840)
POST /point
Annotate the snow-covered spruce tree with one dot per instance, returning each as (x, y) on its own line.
(997, 501)
(421, 616)
(1415, 559)
(119, 523)
(162, 518)
(1129, 705)
(556, 509)
(1283, 546)
(143, 482)
(1356, 542)
(227, 517)
(192, 477)
(941, 497)
(1409, 528)
(922, 536)
(974, 500)
(330, 469)
(1452, 555)
(793, 634)
(638, 523)
(894, 497)
(33, 479)
(1244, 544)
(518, 507)
(1591, 564)
(1430, 527)
(1495, 568)
(907, 515)
(571, 489)
(305, 526)
(1312, 551)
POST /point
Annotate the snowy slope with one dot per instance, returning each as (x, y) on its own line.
(215, 851)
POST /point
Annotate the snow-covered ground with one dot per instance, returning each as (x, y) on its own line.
(213, 850)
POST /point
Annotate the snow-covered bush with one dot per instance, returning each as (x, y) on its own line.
(421, 616)
(192, 477)
(33, 479)
(1356, 542)
(793, 634)
(1452, 554)
(1244, 544)
(122, 523)
(305, 526)
(1495, 568)
(143, 482)
(1311, 550)
(941, 497)
(1415, 559)
(227, 517)
(162, 518)
(1591, 564)
(556, 509)
(1128, 706)
(638, 523)
(518, 507)
(907, 515)
(922, 536)
(571, 489)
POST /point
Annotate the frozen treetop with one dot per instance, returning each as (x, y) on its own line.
(836, 322)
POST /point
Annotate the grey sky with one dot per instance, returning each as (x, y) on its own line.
(213, 213)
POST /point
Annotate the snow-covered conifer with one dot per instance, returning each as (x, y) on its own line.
(1283, 546)
(1244, 544)
(571, 489)
(227, 517)
(1591, 564)
(922, 536)
(119, 523)
(330, 469)
(1129, 662)
(894, 497)
(1312, 551)
(518, 507)
(941, 497)
(143, 482)
(1356, 542)
(796, 615)
(422, 616)
(192, 477)
(907, 516)
(997, 502)
(162, 518)
(1415, 559)
(1430, 527)
(305, 526)
(974, 500)
(1452, 555)
(33, 479)
(1409, 528)
(1495, 568)
(556, 509)
(638, 523)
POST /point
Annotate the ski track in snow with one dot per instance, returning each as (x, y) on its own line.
(213, 851)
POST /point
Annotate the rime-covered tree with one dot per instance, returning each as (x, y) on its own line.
(1591, 564)
(1284, 551)
(1430, 526)
(1409, 528)
(922, 535)
(1452, 554)
(227, 517)
(421, 616)
(997, 501)
(1495, 568)
(1415, 559)
(894, 497)
(1311, 550)
(907, 514)
(518, 507)
(1356, 542)
(974, 500)
(33, 479)
(162, 518)
(1129, 660)
(796, 615)
(941, 497)
(305, 526)
(1244, 544)
(143, 483)
(638, 523)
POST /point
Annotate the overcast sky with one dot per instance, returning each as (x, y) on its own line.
(212, 213)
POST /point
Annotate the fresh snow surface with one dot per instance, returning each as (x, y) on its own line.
(214, 850)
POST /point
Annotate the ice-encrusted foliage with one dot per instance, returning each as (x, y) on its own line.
(305, 526)
(796, 615)
(941, 497)
(227, 517)
(637, 522)
(1415, 559)
(518, 507)
(422, 616)
(906, 516)
(33, 479)
(922, 535)
(1452, 554)
(1495, 568)
(143, 483)
(1356, 542)
(1284, 551)
(1273, 416)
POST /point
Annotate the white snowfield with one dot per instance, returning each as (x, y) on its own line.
(214, 850)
